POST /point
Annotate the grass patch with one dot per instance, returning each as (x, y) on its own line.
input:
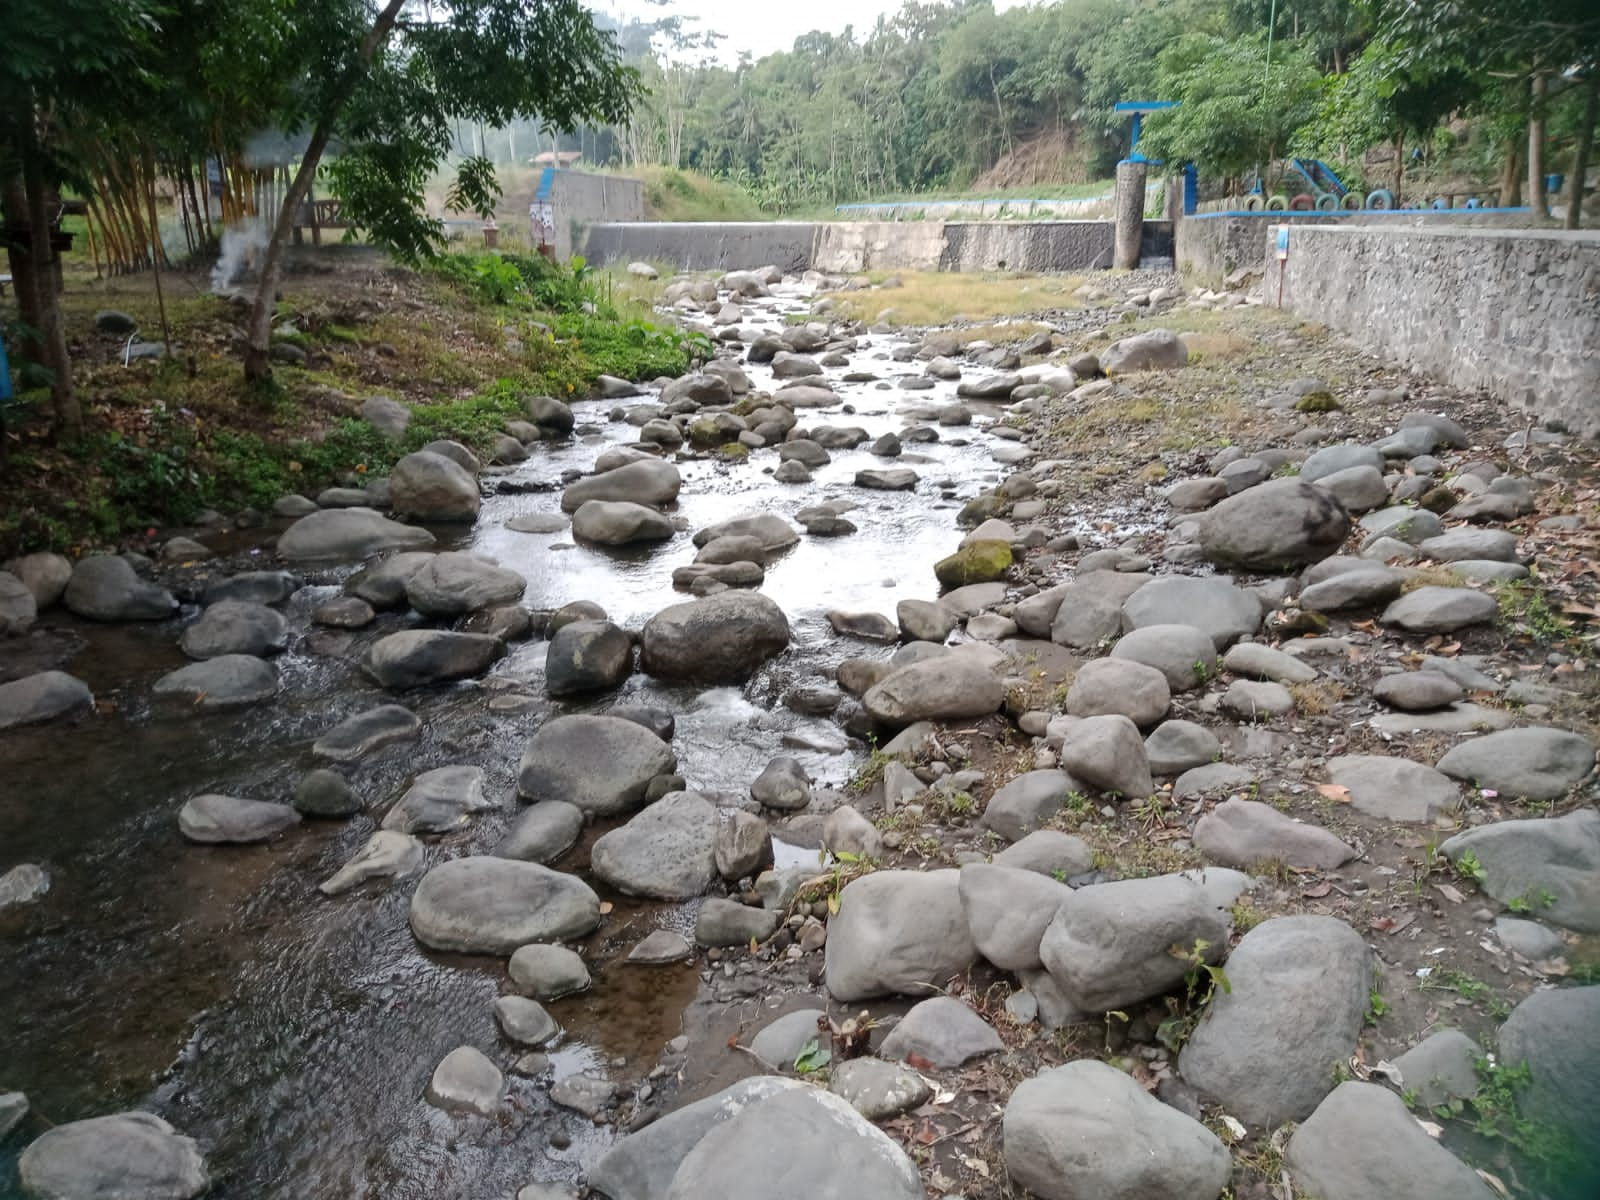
(939, 297)
(674, 195)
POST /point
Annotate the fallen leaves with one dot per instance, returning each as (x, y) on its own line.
(1392, 925)
(1333, 791)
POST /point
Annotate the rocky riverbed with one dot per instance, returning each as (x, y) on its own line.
(1128, 755)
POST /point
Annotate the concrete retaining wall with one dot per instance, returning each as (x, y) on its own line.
(581, 200)
(1514, 312)
(850, 246)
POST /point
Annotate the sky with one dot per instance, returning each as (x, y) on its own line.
(758, 26)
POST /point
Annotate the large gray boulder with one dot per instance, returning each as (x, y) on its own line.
(385, 854)
(587, 656)
(1177, 746)
(719, 639)
(1266, 1050)
(372, 729)
(1553, 1032)
(1212, 605)
(1107, 753)
(466, 1081)
(453, 583)
(44, 574)
(1151, 350)
(666, 852)
(801, 1144)
(1274, 526)
(1435, 609)
(256, 587)
(1330, 460)
(619, 523)
(1088, 1130)
(1362, 1143)
(1120, 685)
(599, 764)
(228, 681)
(1241, 833)
(897, 932)
(952, 687)
(34, 699)
(548, 972)
(1008, 909)
(878, 1090)
(214, 819)
(1109, 944)
(348, 534)
(104, 587)
(236, 627)
(1395, 789)
(1027, 802)
(383, 584)
(772, 531)
(648, 482)
(1088, 611)
(942, 1031)
(481, 905)
(1551, 862)
(1536, 763)
(125, 1156)
(542, 833)
(418, 657)
(1185, 655)
(439, 800)
(18, 608)
(432, 487)
(1048, 852)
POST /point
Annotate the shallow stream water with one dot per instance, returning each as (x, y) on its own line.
(293, 1034)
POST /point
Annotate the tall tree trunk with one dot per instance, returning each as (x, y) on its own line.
(1511, 175)
(258, 330)
(52, 339)
(1399, 164)
(1580, 152)
(1537, 198)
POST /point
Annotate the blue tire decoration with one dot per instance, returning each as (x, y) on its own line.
(1254, 202)
(1439, 204)
(1351, 202)
(1474, 202)
(1278, 203)
(1381, 200)
(1327, 202)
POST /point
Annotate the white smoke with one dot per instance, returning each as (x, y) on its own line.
(243, 245)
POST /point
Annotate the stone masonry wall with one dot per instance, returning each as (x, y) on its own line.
(1514, 312)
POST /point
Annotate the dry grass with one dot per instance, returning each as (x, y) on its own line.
(939, 297)
(1216, 347)
(1315, 698)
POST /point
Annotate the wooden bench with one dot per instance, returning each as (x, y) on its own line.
(317, 215)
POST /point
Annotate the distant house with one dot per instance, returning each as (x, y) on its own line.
(556, 158)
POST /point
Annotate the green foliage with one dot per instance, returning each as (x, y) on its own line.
(1556, 1161)
(812, 1058)
(1200, 983)
(1467, 866)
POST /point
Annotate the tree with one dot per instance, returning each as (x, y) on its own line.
(386, 84)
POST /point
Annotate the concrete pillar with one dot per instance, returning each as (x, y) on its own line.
(1128, 212)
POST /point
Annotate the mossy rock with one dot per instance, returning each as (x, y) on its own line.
(735, 450)
(1318, 401)
(1438, 500)
(977, 562)
(706, 432)
(979, 509)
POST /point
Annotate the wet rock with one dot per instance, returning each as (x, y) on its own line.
(1151, 350)
(356, 737)
(125, 1156)
(585, 1092)
(666, 852)
(1242, 833)
(1256, 700)
(45, 696)
(992, 387)
(1212, 605)
(419, 657)
(619, 523)
(349, 534)
(1554, 862)
(439, 800)
(1440, 1068)
(1274, 526)
(1537, 763)
(432, 487)
(344, 612)
(648, 482)
(1027, 802)
(1263, 662)
(215, 819)
(1267, 1049)
(792, 472)
(773, 532)
(893, 479)
(1048, 852)
(587, 656)
(873, 626)
(1118, 685)
(18, 608)
(1087, 1129)
(948, 688)
(1553, 1032)
(542, 833)
(13, 1110)
(942, 1031)
(549, 414)
(385, 854)
(1106, 752)
(733, 548)
(601, 764)
(383, 585)
(1396, 1157)
(1176, 746)
(236, 627)
(924, 620)
(325, 793)
(1108, 944)
(743, 846)
(1186, 656)
(481, 905)
(878, 1090)
(548, 972)
(466, 1082)
(661, 947)
(1008, 910)
(976, 562)
(719, 639)
(729, 923)
(897, 931)
(104, 587)
(782, 785)
(540, 522)
(45, 575)
(22, 884)
(453, 583)
(525, 1021)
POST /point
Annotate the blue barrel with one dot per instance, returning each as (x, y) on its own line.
(1552, 183)
(5, 371)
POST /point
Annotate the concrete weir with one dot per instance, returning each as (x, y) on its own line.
(848, 246)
